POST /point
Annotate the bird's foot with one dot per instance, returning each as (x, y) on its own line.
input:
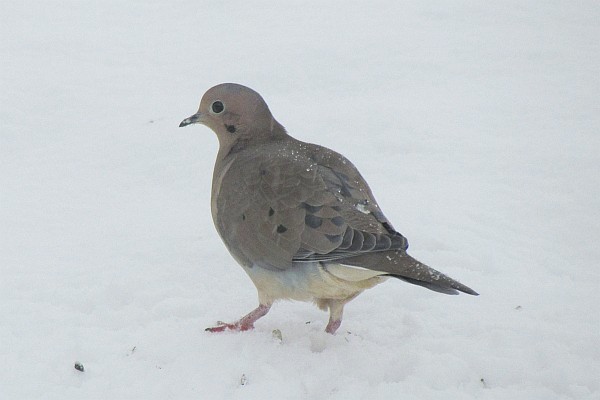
(333, 326)
(236, 326)
(246, 323)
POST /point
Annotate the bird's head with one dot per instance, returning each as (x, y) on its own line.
(235, 112)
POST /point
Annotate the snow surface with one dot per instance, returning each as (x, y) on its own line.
(477, 125)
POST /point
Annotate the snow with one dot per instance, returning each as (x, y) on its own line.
(476, 124)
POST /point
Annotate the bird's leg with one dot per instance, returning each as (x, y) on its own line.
(336, 309)
(245, 323)
(333, 325)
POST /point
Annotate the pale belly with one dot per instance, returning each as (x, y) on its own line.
(312, 281)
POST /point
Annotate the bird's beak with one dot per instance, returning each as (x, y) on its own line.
(194, 119)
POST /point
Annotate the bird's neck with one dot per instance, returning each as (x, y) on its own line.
(253, 139)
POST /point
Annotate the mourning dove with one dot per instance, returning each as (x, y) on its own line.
(298, 217)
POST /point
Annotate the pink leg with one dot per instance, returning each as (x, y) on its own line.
(336, 310)
(332, 326)
(245, 323)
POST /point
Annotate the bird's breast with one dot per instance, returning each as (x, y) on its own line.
(220, 172)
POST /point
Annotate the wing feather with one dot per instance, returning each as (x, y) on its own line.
(299, 206)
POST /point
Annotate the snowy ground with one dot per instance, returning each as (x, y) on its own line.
(476, 123)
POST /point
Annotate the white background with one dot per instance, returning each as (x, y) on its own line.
(477, 125)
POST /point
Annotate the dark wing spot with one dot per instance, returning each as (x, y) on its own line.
(243, 217)
(271, 212)
(337, 221)
(230, 128)
(333, 238)
(281, 229)
(311, 209)
(312, 221)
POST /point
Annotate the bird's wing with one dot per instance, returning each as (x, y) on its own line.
(302, 204)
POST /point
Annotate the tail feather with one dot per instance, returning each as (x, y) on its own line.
(402, 266)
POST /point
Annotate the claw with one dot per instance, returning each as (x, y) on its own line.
(244, 324)
(222, 327)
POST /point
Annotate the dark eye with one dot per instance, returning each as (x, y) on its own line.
(217, 107)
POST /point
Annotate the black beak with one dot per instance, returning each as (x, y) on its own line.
(190, 120)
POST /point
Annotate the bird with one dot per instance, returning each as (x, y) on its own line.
(298, 217)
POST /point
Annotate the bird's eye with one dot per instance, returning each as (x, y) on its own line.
(217, 107)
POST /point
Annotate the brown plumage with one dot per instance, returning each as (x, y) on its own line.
(298, 217)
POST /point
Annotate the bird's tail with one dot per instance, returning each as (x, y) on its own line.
(399, 264)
